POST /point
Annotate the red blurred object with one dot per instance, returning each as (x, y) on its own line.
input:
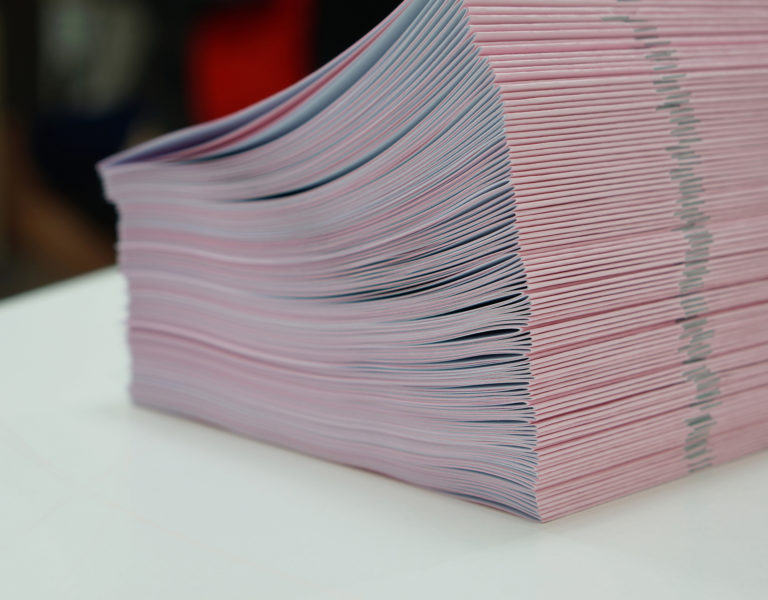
(238, 54)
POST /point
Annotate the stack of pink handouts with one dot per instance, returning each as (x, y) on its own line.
(512, 250)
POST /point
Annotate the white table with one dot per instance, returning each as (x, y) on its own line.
(104, 500)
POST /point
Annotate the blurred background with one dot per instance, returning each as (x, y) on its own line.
(82, 79)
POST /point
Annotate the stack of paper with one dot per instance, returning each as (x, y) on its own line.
(514, 251)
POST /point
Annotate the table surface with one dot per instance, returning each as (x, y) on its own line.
(102, 499)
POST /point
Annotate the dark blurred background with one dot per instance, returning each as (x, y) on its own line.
(82, 79)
